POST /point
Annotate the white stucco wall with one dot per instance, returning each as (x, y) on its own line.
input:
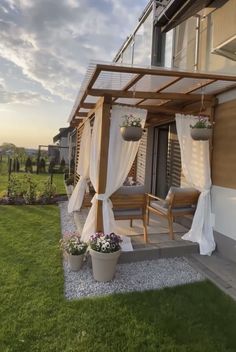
(224, 199)
(224, 208)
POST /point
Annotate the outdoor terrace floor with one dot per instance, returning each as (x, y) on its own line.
(159, 244)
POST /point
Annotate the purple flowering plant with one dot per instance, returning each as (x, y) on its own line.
(72, 244)
(105, 243)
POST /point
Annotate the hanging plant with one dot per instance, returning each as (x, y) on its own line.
(202, 129)
(131, 128)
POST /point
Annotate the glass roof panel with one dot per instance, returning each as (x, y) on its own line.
(129, 101)
(113, 80)
(215, 87)
(185, 85)
(91, 99)
(154, 102)
(152, 83)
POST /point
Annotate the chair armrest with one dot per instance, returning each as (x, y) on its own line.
(148, 195)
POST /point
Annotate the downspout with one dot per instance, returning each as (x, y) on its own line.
(197, 31)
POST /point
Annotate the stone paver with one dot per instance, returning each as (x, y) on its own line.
(221, 271)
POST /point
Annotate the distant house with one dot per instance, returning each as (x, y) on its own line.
(62, 140)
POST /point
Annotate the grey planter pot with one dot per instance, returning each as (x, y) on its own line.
(201, 134)
(104, 265)
(131, 133)
(75, 261)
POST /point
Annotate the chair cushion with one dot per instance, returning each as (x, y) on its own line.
(158, 205)
(179, 190)
(128, 212)
(131, 190)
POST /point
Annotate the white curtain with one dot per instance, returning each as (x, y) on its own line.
(121, 156)
(77, 196)
(196, 169)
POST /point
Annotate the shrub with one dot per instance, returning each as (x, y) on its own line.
(14, 189)
(28, 165)
(48, 190)
(30, 193)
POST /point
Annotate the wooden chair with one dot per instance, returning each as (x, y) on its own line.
(129, 203)
(130, 207)
(178, 202)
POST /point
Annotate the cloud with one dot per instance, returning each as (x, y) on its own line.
(52, 41)
(28, 98)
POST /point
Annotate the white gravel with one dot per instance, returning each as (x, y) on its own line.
(137, 276)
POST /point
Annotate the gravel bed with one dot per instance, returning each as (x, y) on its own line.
(138, 276)
(67, 220)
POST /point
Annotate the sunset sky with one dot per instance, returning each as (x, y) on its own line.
(45, 47)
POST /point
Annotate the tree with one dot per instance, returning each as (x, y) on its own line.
(28, 165)
(42, 165)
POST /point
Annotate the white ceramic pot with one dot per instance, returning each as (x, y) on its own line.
(201, 134)
(75, 261)
(131, 133)
(104, 265)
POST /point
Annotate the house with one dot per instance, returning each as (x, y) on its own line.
(62, 140)
(179, 35)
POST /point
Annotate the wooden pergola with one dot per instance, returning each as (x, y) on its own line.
(162, 92)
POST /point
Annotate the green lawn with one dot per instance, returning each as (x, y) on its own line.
(34, 316)
(57, 180)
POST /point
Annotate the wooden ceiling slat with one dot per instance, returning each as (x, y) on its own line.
(81, 114)
(87, 105)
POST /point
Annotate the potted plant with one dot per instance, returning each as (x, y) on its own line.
(131, 129)
(75, 250)
(105, 251)
(202, 129)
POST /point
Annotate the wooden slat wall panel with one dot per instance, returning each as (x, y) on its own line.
(141, 159)
(173, 160)
(78, 141)
(133, 170)
(224, 146)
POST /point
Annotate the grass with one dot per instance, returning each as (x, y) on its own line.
(57, 179)
(36, 317)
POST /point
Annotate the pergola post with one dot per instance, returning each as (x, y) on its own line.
(103, 107)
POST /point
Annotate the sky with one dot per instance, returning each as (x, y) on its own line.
(45, 47)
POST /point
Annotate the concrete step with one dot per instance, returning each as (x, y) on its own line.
(164, 250)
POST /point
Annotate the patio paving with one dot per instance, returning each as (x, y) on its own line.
(221, 271)
(159, 246)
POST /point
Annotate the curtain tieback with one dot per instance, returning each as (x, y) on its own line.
(101, 196)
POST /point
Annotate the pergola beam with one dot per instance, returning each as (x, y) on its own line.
(163, 72)
(103, 108)
(148, 95)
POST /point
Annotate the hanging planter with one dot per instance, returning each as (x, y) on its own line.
(201, 130)
(131, 133)
(131, 129)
